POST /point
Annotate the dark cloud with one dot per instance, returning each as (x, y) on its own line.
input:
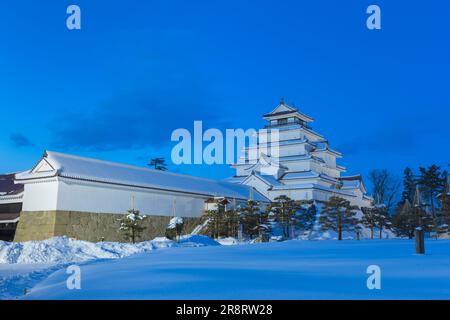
(19, 140)
(135, 120)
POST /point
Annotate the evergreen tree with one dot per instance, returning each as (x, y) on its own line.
(338, 215)
(404, 221)
(409, 185)
(443, 225)
(251, 218)
(216, 218)
(382, 219)
(284, 209)
(131, 226)
(369, 219)
(231, 223)
(411, 216)
(175, 228)
(431, 183)
(306, 215)
(158, 164)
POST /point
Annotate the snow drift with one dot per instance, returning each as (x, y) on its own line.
(60, 250)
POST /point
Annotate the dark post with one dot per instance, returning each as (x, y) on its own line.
(420, 241)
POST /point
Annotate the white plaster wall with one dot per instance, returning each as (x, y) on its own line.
(40, 196)
(297, 165)
(291, 150)
(299, 194)
(104, 198)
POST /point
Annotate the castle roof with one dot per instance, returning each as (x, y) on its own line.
(284, 110)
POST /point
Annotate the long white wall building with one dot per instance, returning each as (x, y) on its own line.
(81, 197)
(71, 183)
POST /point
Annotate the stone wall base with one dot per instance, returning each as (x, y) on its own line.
(94, 227)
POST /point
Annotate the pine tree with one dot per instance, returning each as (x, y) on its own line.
(404, 221)
(251, 218)
(443, 225)
(215, 220)
(431, 183)
(158, 164)
(338, 215)
(369, 219)
(284, 209)
(231, 223)
(306, 215)
(409, 185)
(131, 226)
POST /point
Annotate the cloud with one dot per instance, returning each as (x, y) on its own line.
(134, 120)
(19, 140)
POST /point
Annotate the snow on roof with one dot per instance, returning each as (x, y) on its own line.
(88, 169)
(300, 157)
(269, 179)
(282, 108)
(350, 184)
(353, 182)
(322, 147)
(235, 179)
(313, 186)
(300, 175)
(306, 175)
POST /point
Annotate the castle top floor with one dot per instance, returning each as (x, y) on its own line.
(285, 115)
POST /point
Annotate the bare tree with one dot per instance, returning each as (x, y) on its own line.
(385, 187)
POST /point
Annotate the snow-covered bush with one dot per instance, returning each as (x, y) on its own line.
(175, 228)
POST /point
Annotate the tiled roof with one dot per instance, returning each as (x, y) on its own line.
(87, 169)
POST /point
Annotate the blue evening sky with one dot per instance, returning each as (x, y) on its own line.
(136, 70)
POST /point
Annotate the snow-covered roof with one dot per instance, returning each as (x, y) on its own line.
(278, 143)
(353, 182)
(350, 184)
(284, 109)
(235, 179)
(300, 175)
(313, 186)
(79, 168)
(305, 175)
(300, 157)
(268, 179)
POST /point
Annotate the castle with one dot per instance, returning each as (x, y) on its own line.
(302, 165)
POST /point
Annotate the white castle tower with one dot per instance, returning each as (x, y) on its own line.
(298, 163)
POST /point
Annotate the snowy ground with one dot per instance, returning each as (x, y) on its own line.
(22, 265)
(285, 270)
